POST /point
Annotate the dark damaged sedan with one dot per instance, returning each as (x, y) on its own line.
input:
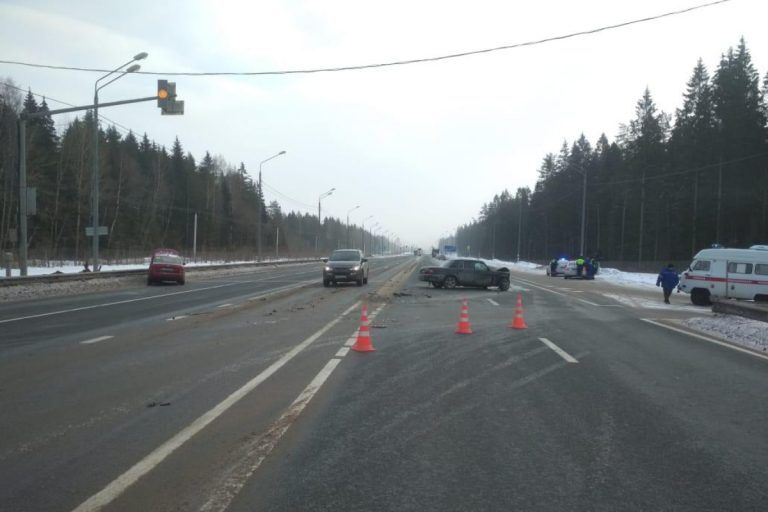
(465, 272)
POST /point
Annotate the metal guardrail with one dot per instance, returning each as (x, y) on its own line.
(84, 276)
(754, 311)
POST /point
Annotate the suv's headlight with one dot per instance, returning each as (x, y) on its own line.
(356, 268)
(328, 269)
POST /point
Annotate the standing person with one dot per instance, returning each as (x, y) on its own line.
(579, 265)
(553, 267)
(668, 279)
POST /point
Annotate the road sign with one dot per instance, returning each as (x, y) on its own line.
(103, 230)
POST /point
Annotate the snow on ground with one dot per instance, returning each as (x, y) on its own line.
(633, 279)
(522, 266)
(743, 331)
(677, 304)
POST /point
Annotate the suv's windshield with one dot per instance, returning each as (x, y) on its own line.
(345, 256)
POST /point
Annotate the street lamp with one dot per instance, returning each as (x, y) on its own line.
(350, 211)
(259, 201)
(363, 228)
(319, 216)
(95, 149)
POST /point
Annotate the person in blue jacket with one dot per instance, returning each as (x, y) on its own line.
(668, 279)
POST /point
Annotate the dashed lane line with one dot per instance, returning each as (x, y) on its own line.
(96, 340)
(224, 305)
(562, 353)
(492, 302)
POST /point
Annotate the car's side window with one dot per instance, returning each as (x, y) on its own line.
(456, 265)
(480, 267)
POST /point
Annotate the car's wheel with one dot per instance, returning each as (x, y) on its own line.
(450, 282)
(437, 285)
(504, 284)
(700, 297)
(360, 281)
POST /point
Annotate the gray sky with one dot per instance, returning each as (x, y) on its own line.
(420, 147)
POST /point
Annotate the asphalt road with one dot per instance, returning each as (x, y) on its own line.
(259, 405)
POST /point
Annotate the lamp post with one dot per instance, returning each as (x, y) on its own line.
(319, 216)
(259, 201)
(95, 149)
(363, 229)
(350, 211)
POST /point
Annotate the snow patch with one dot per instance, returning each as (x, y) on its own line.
(642, 303)
(743, 331)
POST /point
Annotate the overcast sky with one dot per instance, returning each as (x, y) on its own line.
(420, 147)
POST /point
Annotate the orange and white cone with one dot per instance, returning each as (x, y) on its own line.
(464, 327)
(363, 342)
(518, 322)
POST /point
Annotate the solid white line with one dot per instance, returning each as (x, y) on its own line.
(223, 305)
(96, 340)
(222, 499)
(562, 353)
(588, 302)
(342, 352)
(179, 317)
(706, 338)
(145, 465)
(493, 302)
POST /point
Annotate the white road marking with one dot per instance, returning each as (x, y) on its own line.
(706, 338)
(576, 291)
(260, 448)
(179, 317)
(126, 301)
(96, 340)
(145, 465)
(492, 302)
(224, 305)
(539, 287)
(588, 302)
(258, 452)
(562, 353)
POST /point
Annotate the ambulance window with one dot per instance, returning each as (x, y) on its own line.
(739, 268)
(762, 269)
(701, 265)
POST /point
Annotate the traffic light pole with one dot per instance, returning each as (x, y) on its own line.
(23, 118)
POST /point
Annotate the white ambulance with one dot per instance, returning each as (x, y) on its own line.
(727, 273)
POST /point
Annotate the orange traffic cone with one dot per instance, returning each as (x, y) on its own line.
(363, 343)
(464, 327)
(518, 322)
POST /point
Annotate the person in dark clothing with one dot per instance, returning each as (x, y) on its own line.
(553, 267)
(668, 279)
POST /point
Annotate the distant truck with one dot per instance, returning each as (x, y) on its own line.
(727, 273)
(417, 252)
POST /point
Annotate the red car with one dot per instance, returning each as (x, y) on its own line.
(165, 265)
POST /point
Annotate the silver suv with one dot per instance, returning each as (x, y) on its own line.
(345, 265)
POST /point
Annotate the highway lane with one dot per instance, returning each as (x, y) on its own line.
(74, 416)
(646, 419)
(73, 319)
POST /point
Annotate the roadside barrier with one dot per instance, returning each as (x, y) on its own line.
(464, 327)
(518, 322)
(363, 342)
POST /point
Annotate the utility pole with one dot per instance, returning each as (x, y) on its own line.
(194, 240)
(583, 210)
(519, 226)
(277, 242)
(259, 202)
(22, 195)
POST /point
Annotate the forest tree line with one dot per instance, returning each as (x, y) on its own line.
(666, 187)
(149, 196)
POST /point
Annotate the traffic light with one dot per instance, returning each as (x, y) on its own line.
(166, 98)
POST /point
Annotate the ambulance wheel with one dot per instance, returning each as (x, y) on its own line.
(700, 297)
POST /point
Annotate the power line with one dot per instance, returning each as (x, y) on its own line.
(307, 205)
(392, 63)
